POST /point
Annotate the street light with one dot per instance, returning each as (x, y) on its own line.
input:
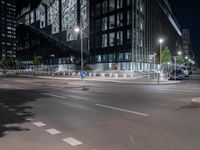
(52, 56)
(161, 42)
(154, 61)
(79, 30)
(175, 60)
(179, 53)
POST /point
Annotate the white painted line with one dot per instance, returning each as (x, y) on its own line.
(5, 106)
(123, 110)
(53, 131)
(54, 95)
(11, 109)
(57, 86)
(29, 119)
(72, 141)
(39, 124)
(20, 113)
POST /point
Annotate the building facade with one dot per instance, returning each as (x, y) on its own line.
(118, 34)
(50, 31)
(7, 29)
(187, 45)
(126, 32)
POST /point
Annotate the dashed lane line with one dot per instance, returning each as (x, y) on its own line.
(11, 109)
(57, 96)
(122, 110)
(39, 124)
(71, 141)
(53, 131)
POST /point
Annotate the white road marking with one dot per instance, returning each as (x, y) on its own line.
(123, 110)
(53, 131)
(72, 141)
(57, 86)
(5, 106)
(29, 119)
(11, 109)
(54, 95)
(20, 113)
(39, 124)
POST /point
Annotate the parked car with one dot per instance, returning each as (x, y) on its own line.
(176, 75)
(189, 70)
(185, 71)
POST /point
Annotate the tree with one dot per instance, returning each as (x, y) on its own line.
(4, 63)
(166, 56)
(180, 60)
(36, 63)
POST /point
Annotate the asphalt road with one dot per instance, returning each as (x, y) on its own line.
(44, 114)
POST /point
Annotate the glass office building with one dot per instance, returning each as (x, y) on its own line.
(50, 31)
(126, 32)
(7, 29)
(118, 34)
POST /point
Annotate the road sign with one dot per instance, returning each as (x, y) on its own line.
(83, 74)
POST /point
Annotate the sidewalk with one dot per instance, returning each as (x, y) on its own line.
(130, 80)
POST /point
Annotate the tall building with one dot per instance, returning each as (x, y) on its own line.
(50, 31)
(187, 45)
(126, 32)
(7, 29)
(118, 34)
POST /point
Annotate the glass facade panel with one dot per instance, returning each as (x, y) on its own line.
(84, 20)
(119, 38)
(129, 2)
(104, 23)
(121, 57)
(128, 57)
(119, 20)
(111, 22)
(111, 5)
(129, 17)
(105, 6)
(104, 40)
(69, 13)
(98, 9)
(98, 41)
(112, 57)
(98, 25)
(119, 4)
(53, 17)
(128, 36)
(112, 39)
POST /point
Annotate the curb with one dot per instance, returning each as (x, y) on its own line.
(112, 80)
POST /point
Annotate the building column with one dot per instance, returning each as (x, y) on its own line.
(46, 15)
(78, 15)
(60, 15)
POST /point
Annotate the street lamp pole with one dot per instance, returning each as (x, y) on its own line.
(161, 42)
(79, 30)
(154, 65)
(81, 50)
(175, 62)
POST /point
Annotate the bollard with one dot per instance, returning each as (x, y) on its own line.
(125, 75)
(94, 74)
(116, 75)
(90, 74)
(110, 75)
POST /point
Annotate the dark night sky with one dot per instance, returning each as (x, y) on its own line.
(188, 15)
